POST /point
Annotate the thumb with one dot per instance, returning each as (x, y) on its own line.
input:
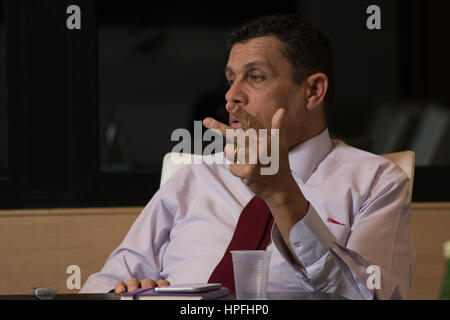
(277, 118)
(279, 129)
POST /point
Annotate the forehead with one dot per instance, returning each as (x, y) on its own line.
(262, 49)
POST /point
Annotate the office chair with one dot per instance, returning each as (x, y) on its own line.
(404, 160)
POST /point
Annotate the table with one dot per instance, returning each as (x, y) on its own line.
(113, 296)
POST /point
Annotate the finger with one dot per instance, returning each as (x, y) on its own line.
(133, 284)
(120, 287)
(246, 119)
(216, 126)
(162, 283)
(278, 119)
(279, 128)
(148, 283)
(224, 130)
(228, 152)
(237, 154)
(245, 172)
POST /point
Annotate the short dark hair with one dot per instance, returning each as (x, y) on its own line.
(306, 48)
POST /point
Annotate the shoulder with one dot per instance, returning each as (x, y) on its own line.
(207, 180)
(346, 156)
(202, 170)
(361, 170)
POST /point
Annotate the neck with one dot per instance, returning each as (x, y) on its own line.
(313, 132)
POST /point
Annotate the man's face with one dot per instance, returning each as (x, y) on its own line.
(261, 81)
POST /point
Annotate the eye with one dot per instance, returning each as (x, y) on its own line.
(256, 78)
(230, 79)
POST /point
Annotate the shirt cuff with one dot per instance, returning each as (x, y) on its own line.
(310, 239)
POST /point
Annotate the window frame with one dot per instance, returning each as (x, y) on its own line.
(62, 112)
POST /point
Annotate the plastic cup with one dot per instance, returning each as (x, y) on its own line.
(251, 273)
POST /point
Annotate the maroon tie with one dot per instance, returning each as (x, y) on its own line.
(252, 233)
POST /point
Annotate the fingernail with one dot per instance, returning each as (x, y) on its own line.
(207, 122)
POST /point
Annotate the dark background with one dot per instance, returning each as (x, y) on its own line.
(86, 115)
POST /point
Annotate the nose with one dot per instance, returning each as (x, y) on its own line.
(236, 94)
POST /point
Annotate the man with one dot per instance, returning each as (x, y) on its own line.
(338, 212)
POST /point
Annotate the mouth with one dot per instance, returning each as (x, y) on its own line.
(234, 123)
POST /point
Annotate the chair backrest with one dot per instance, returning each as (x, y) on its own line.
(406, 161)
(169, 167)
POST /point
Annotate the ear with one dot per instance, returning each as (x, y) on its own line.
(316, 89)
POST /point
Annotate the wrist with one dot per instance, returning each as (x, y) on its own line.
(288, 207)
(284, 194)
(288, 199)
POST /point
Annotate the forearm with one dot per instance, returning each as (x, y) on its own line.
(340, 258)
(288, 207)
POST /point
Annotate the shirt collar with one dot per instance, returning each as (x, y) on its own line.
(305, 157)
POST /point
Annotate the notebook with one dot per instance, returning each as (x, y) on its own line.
(150, 294)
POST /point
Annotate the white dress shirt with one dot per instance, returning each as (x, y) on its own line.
(184, 230)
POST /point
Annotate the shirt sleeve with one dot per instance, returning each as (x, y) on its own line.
(377, 259)
(140, 253)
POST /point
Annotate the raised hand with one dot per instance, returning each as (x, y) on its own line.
(260, 154)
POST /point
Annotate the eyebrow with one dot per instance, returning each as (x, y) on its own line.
(248, 66)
